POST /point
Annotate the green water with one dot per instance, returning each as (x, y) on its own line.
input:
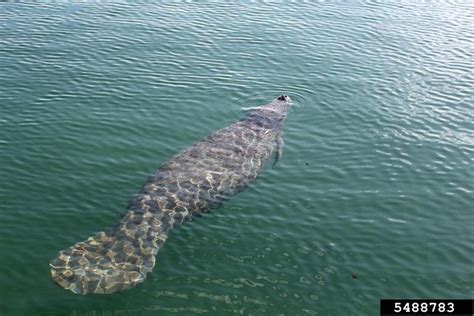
(376, 177)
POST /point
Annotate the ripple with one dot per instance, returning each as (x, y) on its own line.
(375, 178)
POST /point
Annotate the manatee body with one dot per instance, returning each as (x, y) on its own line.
(190, 183)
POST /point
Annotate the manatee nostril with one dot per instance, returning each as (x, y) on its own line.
(282, 97)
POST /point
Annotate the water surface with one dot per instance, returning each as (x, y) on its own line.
(376, 176)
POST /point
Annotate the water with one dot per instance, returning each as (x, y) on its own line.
(376, 176)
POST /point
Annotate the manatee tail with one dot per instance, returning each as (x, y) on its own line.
(110, 262)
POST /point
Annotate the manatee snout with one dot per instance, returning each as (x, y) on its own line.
(284, 97)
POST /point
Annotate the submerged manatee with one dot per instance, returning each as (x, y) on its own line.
(190, 183)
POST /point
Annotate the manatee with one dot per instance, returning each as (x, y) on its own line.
(194, 181)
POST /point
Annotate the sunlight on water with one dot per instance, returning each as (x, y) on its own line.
(376, 177)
